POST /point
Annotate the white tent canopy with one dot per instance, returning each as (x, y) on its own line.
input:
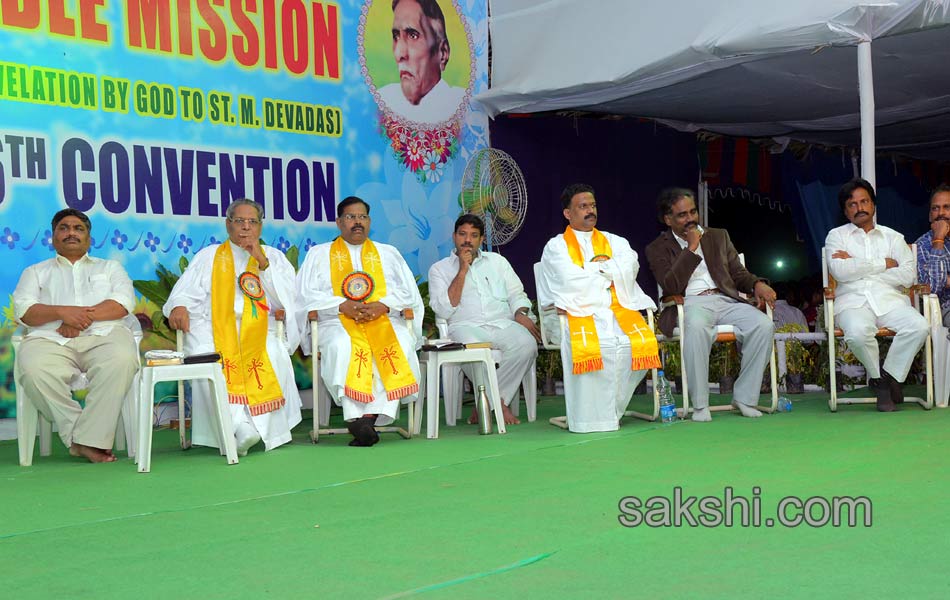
(739, 67)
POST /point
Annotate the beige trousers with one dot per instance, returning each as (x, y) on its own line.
(109, 362)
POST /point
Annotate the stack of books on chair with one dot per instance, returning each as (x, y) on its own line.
(157, 358)
(446, 344)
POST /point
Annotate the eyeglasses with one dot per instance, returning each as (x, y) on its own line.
(349, 218)
(242, 222)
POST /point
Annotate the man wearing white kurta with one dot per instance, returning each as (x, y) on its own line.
(482, 299)
(189, 308)
(870, 263)
(354, 265)
(73, 305)
(596, 398)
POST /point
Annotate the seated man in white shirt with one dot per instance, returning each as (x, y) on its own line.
(483, 300)
(73, 305)
(227, 301)
(871, 263)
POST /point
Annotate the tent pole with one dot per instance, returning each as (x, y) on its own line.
(866, 92)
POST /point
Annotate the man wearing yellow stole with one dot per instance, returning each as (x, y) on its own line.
(369, 312)
(606, 346)
(225, 302)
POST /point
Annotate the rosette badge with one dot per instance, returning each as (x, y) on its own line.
(358, 286)
(251, 286)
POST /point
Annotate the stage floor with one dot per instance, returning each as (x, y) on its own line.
(530, 514)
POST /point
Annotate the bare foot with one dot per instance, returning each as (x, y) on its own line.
(510, 418)
(473, 418)
(94, 455)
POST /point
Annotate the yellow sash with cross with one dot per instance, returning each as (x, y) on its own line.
(585, 345)
(248, 371)
(374, 340)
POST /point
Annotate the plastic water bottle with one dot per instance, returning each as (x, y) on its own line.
(784, 404)
(667, 407)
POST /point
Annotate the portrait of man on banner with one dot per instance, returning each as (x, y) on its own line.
(418, 59)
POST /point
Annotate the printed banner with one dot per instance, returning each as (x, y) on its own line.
(153, 115)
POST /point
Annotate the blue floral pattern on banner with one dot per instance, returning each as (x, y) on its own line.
(119, 239)
(184, 243)
(10, 238)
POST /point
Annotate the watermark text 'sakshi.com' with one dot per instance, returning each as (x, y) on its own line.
(736, 510)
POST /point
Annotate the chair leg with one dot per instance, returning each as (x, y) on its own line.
(452, 393)
(46, 436)
(832, 375)
(145, 408)
(530, 386)
(432, 396)
(228, 443)
(26, 421)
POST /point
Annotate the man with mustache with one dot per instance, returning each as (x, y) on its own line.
(606, 346)
(933, 260)
(421, 50)
(73, 305)
(870, 263)
(703, 266)
(483, 300)
(227, 301)
(366, 301)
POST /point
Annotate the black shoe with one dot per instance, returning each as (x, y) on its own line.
(882, 390)
(363, 432)
(897, 390)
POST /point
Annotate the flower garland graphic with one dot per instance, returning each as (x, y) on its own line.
(421, 148)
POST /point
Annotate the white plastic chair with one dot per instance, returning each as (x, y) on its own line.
(219, 391)
(452, 385)
(484, 375)
(941, 352)
(321, 400)
(724, 334)
(548, 311)
(917, 295)
(29, 419)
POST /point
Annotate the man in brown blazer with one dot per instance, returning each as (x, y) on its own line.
(703, 266)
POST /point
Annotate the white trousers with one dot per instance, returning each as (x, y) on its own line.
(517, 347)
(596, 401)
(860, 326)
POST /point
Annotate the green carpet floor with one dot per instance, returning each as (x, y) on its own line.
(531, 514)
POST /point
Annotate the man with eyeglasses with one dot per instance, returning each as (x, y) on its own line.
(367, 304)
(73, 306)
(228, 301)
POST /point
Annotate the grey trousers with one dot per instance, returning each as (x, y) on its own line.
(47, 368)
(754, 331)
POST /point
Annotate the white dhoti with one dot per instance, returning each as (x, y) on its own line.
(596, 401)
(274, 427)
(517, 348)
(335, 351)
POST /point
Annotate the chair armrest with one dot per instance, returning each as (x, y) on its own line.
(671, 300)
